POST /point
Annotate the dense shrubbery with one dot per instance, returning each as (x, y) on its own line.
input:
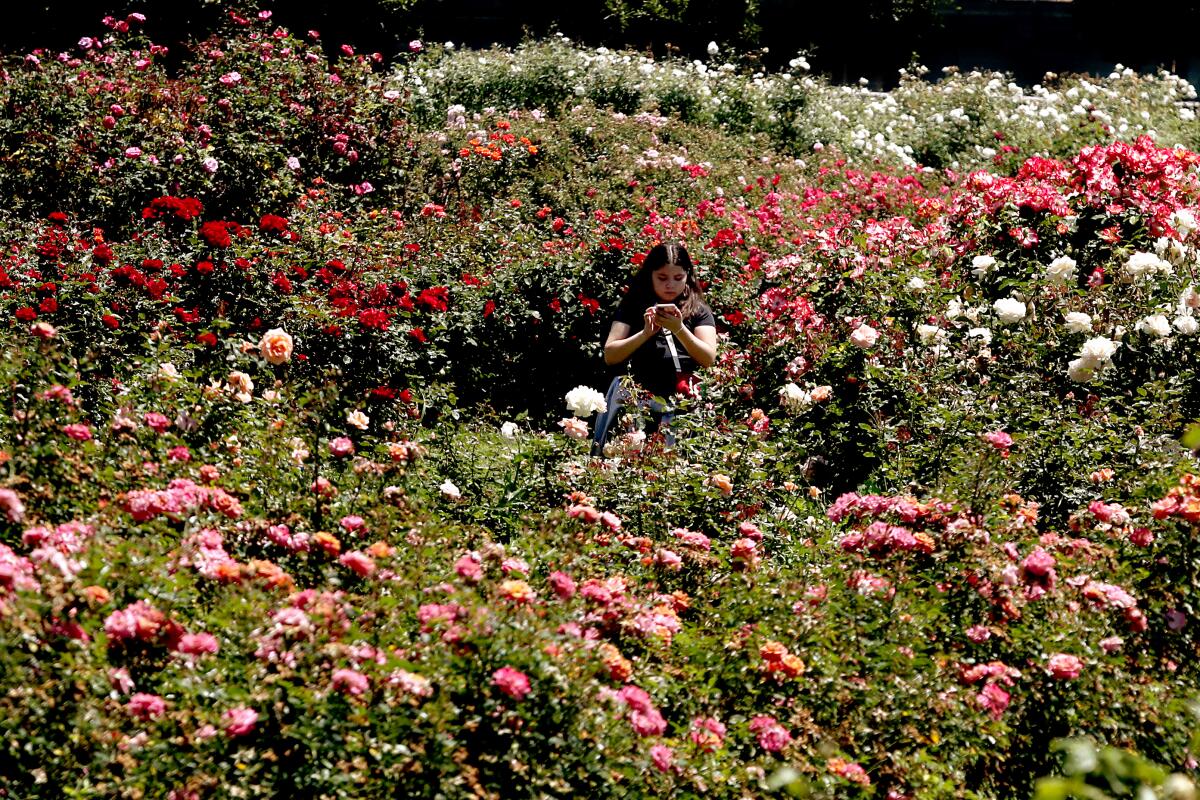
(286, 496)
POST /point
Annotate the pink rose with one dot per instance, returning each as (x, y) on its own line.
(350, 681)
(511, 682)
(146, 706)
(772, 736)
(1064, 666)
(648, 722)
(78, 432)
(994, 699)
(999, 440)
(341, 446)
(358, 562)
(574, 427)
(469, 568)
(197, 644)
(11, 505)
(978, 633)
(563, 585)
(662, 756)
(239, 721)
(864, 337)
(707, 733)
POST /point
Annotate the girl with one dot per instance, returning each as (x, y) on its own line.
(662, 327)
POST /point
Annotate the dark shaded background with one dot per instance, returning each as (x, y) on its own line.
(846, 39)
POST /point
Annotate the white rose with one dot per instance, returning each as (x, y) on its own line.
(1186, 324)
(450, 491)
(916, 284)
(1061, 271)
(794, 399)
(1141, 265)
(954, 309)
(1171, 250)
(1155, 324)
(583, 401)
(864, 336)
(983, 334)
(1190, 298)
(982, 265)
(928, 334)
(1078, 322)
(1098, 350)
(509, 430)
(358, 420)
(1009, 310)
(1183, 221)
(1081, 370)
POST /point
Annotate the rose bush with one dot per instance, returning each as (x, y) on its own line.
(288, 494)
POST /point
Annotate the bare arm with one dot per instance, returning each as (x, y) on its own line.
(622, 343)
(701, 343)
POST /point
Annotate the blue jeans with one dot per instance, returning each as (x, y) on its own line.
(615, 398)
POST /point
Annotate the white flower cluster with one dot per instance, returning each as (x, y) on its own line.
(940, 119)
(796, 400)
(1094, 357)
(1143, 266)
(583, 401)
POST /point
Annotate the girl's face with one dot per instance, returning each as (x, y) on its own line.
(669, 282)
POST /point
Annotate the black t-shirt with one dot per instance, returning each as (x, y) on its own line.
(651, 364)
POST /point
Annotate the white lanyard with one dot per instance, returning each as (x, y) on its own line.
(671, 347)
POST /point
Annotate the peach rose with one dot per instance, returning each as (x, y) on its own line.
(276, 346)
(722, 482)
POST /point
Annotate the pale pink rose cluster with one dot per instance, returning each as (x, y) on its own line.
(645, 718)
(69, 537)
(588, 513)
(180, 497)
(772, 736)
(16, 572)
(205, 551)
(283, 536)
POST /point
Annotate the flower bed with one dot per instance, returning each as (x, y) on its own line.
(287, 491)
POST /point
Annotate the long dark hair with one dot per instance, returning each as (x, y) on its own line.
(641, 296)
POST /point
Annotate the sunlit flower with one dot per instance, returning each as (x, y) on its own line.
(864, 337)
(276, 346)
(583, 401)
(1061, 271)
(1009, 310)
(1078, 322)
(1155, 325)
(574, 427)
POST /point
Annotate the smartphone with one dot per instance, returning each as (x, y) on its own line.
(667, 308)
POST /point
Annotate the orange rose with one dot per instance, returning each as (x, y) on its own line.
(276, 346)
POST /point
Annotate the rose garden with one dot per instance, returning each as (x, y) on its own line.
(296, 497)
